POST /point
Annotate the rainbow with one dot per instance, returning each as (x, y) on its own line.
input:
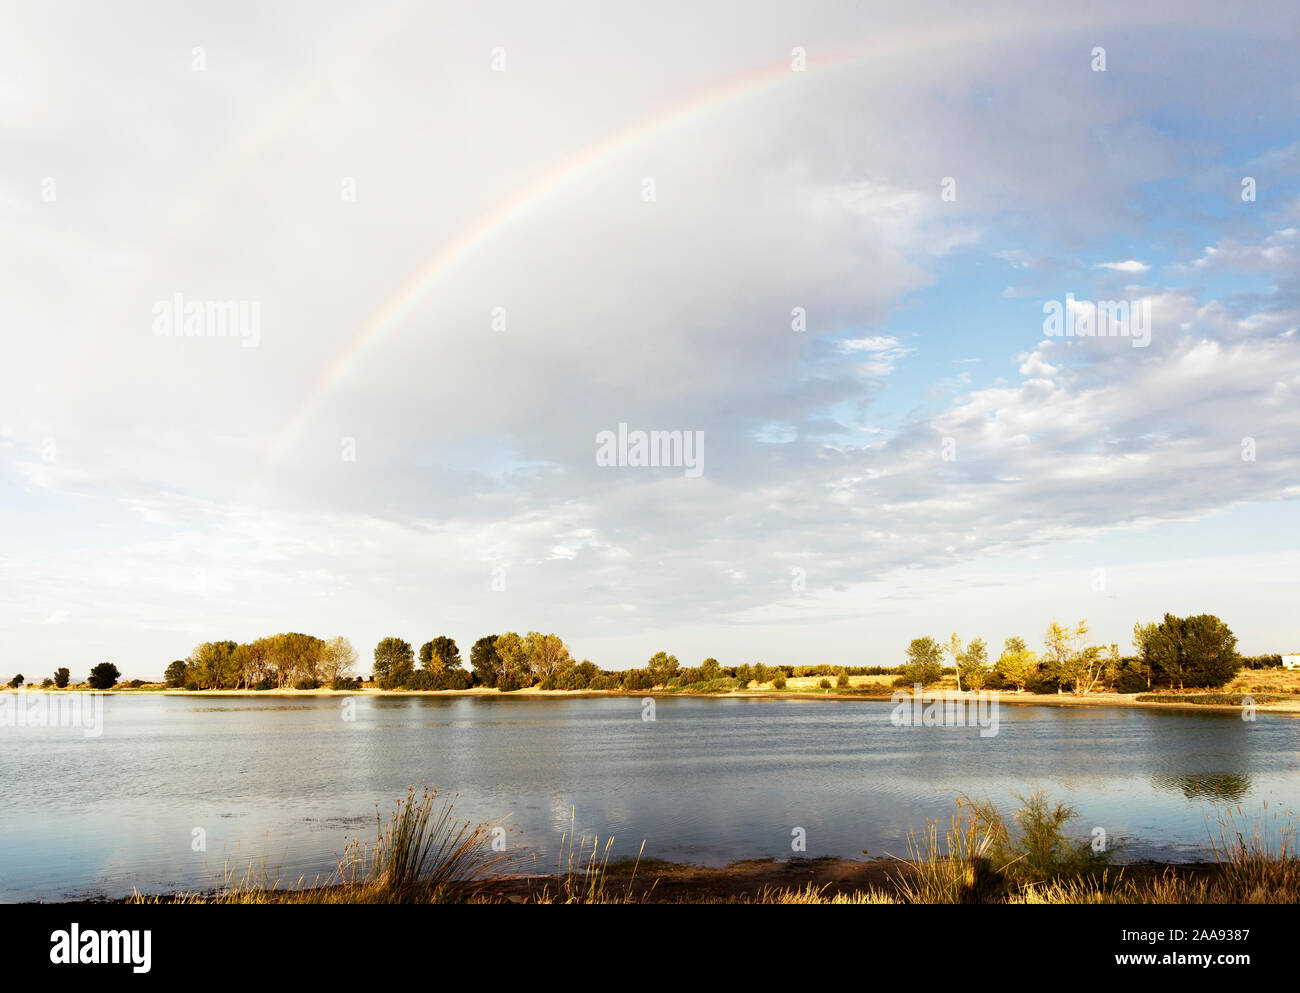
(444, 262)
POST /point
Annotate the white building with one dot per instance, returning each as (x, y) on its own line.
(1291, 661)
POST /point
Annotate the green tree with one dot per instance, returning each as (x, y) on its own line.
(16, 682)
(61, 677)
(293, 658)
(516, 667)
(394, 663)
(1061, 644)
(1193, 651)
(924, 663)
(213, 665)
(175, 674)
(547, 654)
(485, 662)
(709, 669)
(661, 667)
(1017, 665)
(104, 676)
(440, 654)
(973, 665)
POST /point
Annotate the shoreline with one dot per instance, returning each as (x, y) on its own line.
(656, 881)
(1010, 698)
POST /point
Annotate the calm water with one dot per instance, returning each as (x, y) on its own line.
(710, 781)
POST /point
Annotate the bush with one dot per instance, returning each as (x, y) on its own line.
(572, 679)
(1043, 684)
(421, 679)
(719, 685)
(451, 679)
(508, 683)
(192, 685)
(16, 682)
(842, 680)
(46, 683)
(1261, 661)
(104, 676)
(307, 684)
(825, 684)
(778, 683)
(638, 679)
(261, 684)
(1036, 849)
(1130, 681)
(812, 670)
(135, 684)
(344, 683)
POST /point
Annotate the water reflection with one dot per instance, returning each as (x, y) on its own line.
(709, 781)
(1229, 787)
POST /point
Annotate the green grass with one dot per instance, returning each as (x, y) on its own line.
(1233, 699)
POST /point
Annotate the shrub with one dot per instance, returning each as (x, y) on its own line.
(307, 684)
(1037, 850)
(712, 686)
(192, 685)
(638, 679)
(842, 680)
(825, 684)
(572, 679)
(778, 683)
(261, 684)
(452, 679)
(1044, 684)
(104, 676)
(1261, 661)
(61, 677)
(135, 684)
(420, 679)
(343, 683)
(16, 682)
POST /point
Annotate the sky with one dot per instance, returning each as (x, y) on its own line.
(468, 239)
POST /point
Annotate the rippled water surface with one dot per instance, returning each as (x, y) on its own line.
(287, 781)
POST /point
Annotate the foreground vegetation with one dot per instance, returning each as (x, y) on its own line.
(424, 855)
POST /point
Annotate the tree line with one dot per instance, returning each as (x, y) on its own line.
(277, 662)
(1176, 652)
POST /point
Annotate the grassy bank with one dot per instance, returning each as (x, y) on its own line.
(424, 855)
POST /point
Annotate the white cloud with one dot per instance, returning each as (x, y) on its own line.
(170, 516)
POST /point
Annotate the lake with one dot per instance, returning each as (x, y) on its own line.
(286, 781)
